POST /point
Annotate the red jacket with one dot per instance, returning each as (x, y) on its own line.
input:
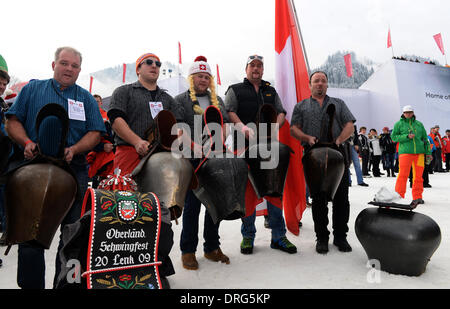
(436, 139)
(446, 145)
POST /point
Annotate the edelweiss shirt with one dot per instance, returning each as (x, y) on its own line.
(309, 117)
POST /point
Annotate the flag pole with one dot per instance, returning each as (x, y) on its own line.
(300, 35)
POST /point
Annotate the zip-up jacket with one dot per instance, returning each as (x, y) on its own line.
(418, 144)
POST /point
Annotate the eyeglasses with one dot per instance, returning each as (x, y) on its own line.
(149, 62)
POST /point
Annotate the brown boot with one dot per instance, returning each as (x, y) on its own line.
(189, 261)
(217, 256)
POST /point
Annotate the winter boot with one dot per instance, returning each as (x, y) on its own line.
(342, 244)
(217, 256)
(189, 261)
(247, 245)
(283, 244)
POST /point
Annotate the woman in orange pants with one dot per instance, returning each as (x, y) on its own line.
(413, 147)
(406, 161)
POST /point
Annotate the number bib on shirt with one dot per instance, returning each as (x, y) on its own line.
(76, 110)
(155, 108)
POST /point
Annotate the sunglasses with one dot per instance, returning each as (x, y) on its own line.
(256, 57)
(149, 62)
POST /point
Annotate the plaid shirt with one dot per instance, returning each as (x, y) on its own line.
(309, 116)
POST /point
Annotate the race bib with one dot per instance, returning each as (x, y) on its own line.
(123, 242)
(76, 110)
(155, 108)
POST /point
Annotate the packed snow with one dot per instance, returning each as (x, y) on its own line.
(268, 268)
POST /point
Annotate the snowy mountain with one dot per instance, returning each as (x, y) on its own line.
(337, 74)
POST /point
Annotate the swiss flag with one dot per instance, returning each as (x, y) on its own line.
(292, 84)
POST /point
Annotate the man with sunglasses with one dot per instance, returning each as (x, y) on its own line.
(131, 112)
(242, 102)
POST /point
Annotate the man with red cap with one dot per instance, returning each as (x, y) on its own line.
(131, 114)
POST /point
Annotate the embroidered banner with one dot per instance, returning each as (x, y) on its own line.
(123, 242)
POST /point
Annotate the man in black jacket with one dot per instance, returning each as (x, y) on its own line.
(364, 150)
(242, 103)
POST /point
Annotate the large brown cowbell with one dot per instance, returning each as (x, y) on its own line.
(38, 197)
(39, 193)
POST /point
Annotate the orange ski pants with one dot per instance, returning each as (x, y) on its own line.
(406, 161)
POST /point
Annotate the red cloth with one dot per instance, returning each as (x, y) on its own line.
(294, 194)
(126, 159)
(97, 160)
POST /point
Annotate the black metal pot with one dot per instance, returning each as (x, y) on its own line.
(402, 241)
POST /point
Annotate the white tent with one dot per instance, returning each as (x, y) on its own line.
(379, 101)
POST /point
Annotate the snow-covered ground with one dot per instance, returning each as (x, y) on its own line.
(267, 268)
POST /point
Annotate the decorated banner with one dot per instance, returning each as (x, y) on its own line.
(179, 53)
(123, 242)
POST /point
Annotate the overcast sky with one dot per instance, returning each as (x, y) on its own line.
(109, 33)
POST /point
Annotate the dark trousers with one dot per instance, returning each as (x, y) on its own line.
(438, 163)
(189, 233)
(376, 165)
(447, 162)
(365, 162)
(31, 262)
(341, 212)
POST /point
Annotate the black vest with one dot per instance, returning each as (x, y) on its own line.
(250, 101)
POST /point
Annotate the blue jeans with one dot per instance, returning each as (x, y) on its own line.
(31, 262)
(276, 223)
(189, 233)
(356, 165)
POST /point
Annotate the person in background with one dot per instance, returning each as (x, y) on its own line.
(446, 149)
(388, 154)
(414, 151)
(437, 139)
(364, 151)
(354, 149)
(374, 141)
(101, 159)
